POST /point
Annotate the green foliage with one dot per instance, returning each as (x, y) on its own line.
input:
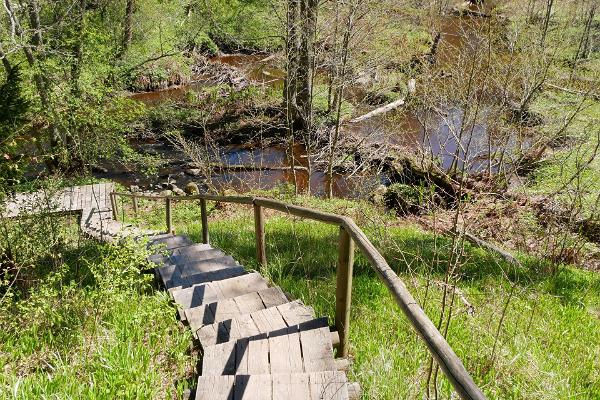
(242, 24)
(408, 199)
(89, 326)
(13, 109)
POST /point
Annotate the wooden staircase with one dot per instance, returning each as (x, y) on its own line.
(256, 342)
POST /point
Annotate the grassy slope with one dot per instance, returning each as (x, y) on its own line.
(92, 328)
(547, 346)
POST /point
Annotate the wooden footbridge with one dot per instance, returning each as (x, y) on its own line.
(257, 342)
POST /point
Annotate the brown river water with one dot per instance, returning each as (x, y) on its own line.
(423, 132)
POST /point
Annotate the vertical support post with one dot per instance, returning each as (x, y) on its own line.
(168, 204)
(113, 205)
(204, 216)
(343, 292)
(259, 232)
(135, 205)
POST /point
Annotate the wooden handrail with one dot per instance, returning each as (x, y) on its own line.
(350, 233)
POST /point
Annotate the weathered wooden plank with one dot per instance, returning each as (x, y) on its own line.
(295, 312)
(253, 387)
(232, 308)
(317, 351)
(328, 385)
(195, 252)
(252, 357)
(197, 295)
(210, 276)
(291, 387)
(268, 320)
(197, 317)
(238, 286)
(214, 264)
(219, 360)
(215, 388)
(248, 303)
(285, 353)
(170, 242)
(232, 329)
(272, 297)
(166, 273)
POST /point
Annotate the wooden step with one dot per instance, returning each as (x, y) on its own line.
(168, 256)
(197, 295)
(177, 282)
(169, 241)
(194, 253)
(268, 322)
(296, 351)
(170, 274)
(325, 385)
(212, 264)
(234, 307)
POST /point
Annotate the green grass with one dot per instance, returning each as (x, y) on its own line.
(547, 347)
(87, 324)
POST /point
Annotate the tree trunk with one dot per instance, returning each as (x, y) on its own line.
(5, 62)
(41, 83)
(339, 97)
(301, 27)
(587, 36)
(33, 9)
(128, 26)
(549, 4)
(308, 15)
(290, 88)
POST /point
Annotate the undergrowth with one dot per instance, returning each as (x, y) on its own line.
(79, 319)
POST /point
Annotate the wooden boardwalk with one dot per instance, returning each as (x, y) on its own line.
(256, 342)
(90, 202)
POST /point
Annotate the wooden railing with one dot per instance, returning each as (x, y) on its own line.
(350, 235)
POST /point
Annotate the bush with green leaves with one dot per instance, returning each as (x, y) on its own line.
(84, 321)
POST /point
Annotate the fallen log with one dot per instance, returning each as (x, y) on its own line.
(378, 111)
(245, 168)
(240, 168)
(491, 247)
(581, 93)
(477, 241)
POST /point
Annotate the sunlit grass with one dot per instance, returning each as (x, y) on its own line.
(546, 348)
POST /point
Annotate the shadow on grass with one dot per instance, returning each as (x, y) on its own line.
(305, 250)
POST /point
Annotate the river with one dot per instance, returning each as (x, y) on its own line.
(429, 132)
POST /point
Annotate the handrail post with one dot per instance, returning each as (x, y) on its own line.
(204, 217)
(343, 294)
(259, 231)
(169, 215)
(113, 205)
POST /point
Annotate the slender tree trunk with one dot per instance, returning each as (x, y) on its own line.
(290, 87)
(5, 62)
(340, 96)
(33, 10)
(128, 26)
(587, 35)
(333, 69)
(547, 17)
(41, 83)
(308, 16)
